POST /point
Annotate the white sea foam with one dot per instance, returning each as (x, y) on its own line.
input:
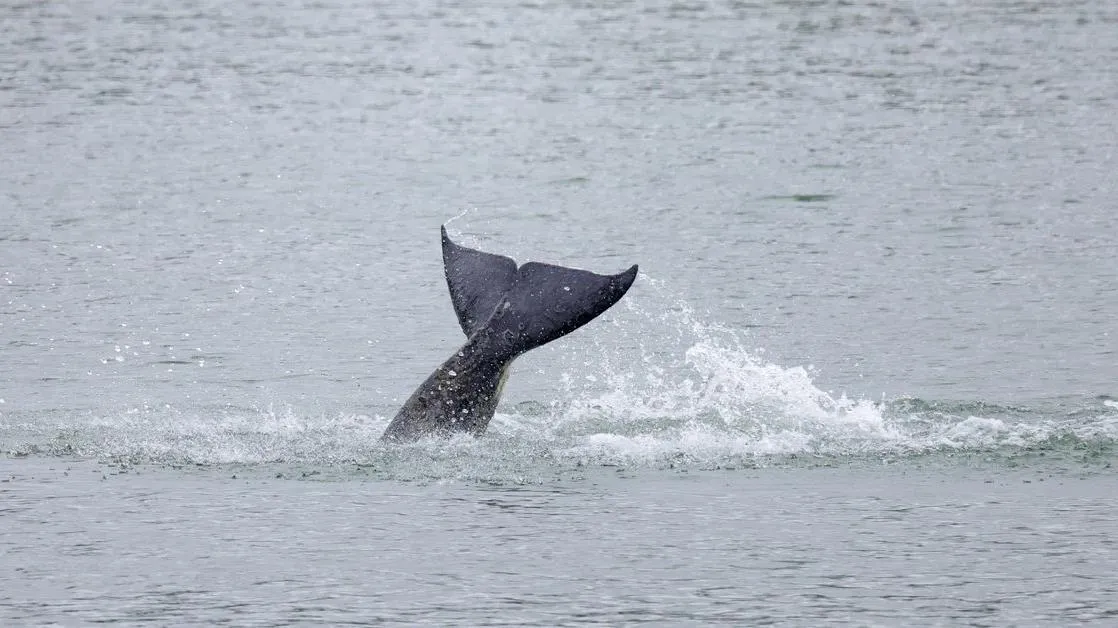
(696, 395)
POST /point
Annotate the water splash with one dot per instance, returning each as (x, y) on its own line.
(694, 395)
(697, 395)
(700, 393)
(202, 436)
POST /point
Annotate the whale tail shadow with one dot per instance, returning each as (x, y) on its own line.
(527, 306)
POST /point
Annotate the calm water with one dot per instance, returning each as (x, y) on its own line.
(869, 374)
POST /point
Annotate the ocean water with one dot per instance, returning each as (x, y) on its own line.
(867, 376)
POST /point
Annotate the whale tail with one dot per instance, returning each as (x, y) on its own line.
(527, 306)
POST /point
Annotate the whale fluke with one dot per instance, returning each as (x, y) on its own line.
(504, 310)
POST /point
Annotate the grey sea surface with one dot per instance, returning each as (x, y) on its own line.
(867, 376)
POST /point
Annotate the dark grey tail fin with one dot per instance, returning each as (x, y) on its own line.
(530, 306)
